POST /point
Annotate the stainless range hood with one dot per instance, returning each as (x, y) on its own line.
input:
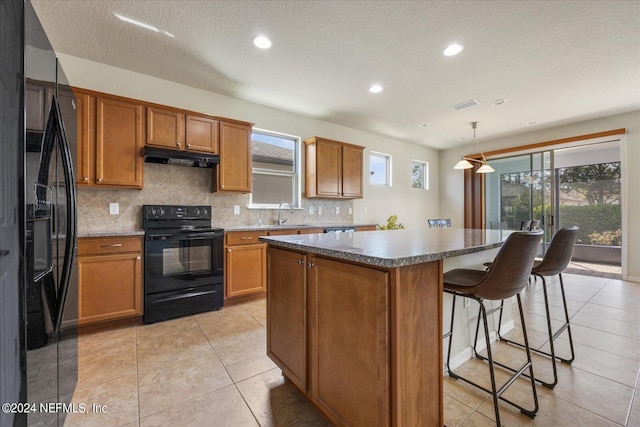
(180, 158)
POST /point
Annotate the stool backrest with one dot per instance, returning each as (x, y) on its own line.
(558, 253)
(510, 269)
(525, 225)
(439, 223)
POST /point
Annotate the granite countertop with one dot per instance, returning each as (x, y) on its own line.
(109, 233)
(396, 248)
(289, 227)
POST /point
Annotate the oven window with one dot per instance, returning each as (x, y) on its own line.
(186, 260)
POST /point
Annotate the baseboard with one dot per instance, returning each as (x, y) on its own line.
(466, 354)
(632, 279)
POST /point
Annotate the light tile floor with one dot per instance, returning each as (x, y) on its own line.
(212, 370)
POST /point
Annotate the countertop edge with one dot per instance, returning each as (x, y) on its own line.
(377, 261)
(109, 233)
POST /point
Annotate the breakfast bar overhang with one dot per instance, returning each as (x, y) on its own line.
(354, 320)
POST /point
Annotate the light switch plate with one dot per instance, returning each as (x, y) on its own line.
(319, 210)
(337, 210)
(310, 210)
(350, 211)
(114, 208)
(364, 211)
(236, 210)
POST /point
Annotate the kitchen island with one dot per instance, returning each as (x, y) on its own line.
(354, 320)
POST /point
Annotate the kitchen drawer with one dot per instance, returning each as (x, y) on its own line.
(244, 237)
(108, 245)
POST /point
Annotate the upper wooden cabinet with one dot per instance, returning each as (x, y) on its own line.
(333, 169)
(173, 129)
(233, 174)
(110, 138)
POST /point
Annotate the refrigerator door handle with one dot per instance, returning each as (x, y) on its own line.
(71, 214)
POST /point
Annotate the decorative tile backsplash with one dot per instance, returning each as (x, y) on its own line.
(179, 185)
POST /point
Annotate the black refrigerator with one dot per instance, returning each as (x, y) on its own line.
(39, 356)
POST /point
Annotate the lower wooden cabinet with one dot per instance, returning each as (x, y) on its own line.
(287, 319)
(245, 270)
(328, 329)
(110, 279)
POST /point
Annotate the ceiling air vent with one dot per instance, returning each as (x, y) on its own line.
(465, 104)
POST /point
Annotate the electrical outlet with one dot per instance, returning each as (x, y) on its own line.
(350, 211)
(364, 211)
(114, 208)
(319, 210)
(337, 210)
(236, 210)
(310, 210)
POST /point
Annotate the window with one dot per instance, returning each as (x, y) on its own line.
(380, 169)
(420, 174)
(276, 169)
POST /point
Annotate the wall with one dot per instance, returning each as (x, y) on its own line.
(451, 181)
(412, 206)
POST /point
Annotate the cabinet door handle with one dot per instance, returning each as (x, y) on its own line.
(188, 145)
(138, 258)
(99, 179)
(115, 245)
(178, 143)
(85, 179)
(300, 261)
(310, 264)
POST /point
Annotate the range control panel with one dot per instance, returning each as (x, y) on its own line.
(168, 212)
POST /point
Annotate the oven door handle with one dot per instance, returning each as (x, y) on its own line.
(187, 295)
(195, 236)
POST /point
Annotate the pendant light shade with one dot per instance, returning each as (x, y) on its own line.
(465, 162)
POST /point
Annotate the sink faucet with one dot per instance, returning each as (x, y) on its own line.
(260, 216)
(282, 221)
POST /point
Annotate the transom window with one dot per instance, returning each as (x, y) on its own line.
(420, 174)
(276, 169)
(380, 169)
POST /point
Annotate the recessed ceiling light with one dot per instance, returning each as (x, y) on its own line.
(375, 89)
(453, 49)
(138, 23)
(262, 42)
(531, 123)
(498, 102)
(423, 125)
(462, 138)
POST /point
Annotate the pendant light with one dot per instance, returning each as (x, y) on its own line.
(465, 162)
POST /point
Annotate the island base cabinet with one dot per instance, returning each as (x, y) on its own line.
(364, 344)
(287, 314)
(349, 342)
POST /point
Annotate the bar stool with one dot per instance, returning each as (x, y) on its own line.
(554, 262)
(507, 277)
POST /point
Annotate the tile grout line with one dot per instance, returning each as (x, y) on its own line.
(233, 382)
(633, 398)
(137, 376)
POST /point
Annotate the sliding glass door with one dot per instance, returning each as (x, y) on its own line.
(578, 185)
(521, 193)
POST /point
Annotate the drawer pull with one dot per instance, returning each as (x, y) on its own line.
(115, 245)
(246, 238)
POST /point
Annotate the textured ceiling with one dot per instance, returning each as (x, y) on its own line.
(555, 62)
